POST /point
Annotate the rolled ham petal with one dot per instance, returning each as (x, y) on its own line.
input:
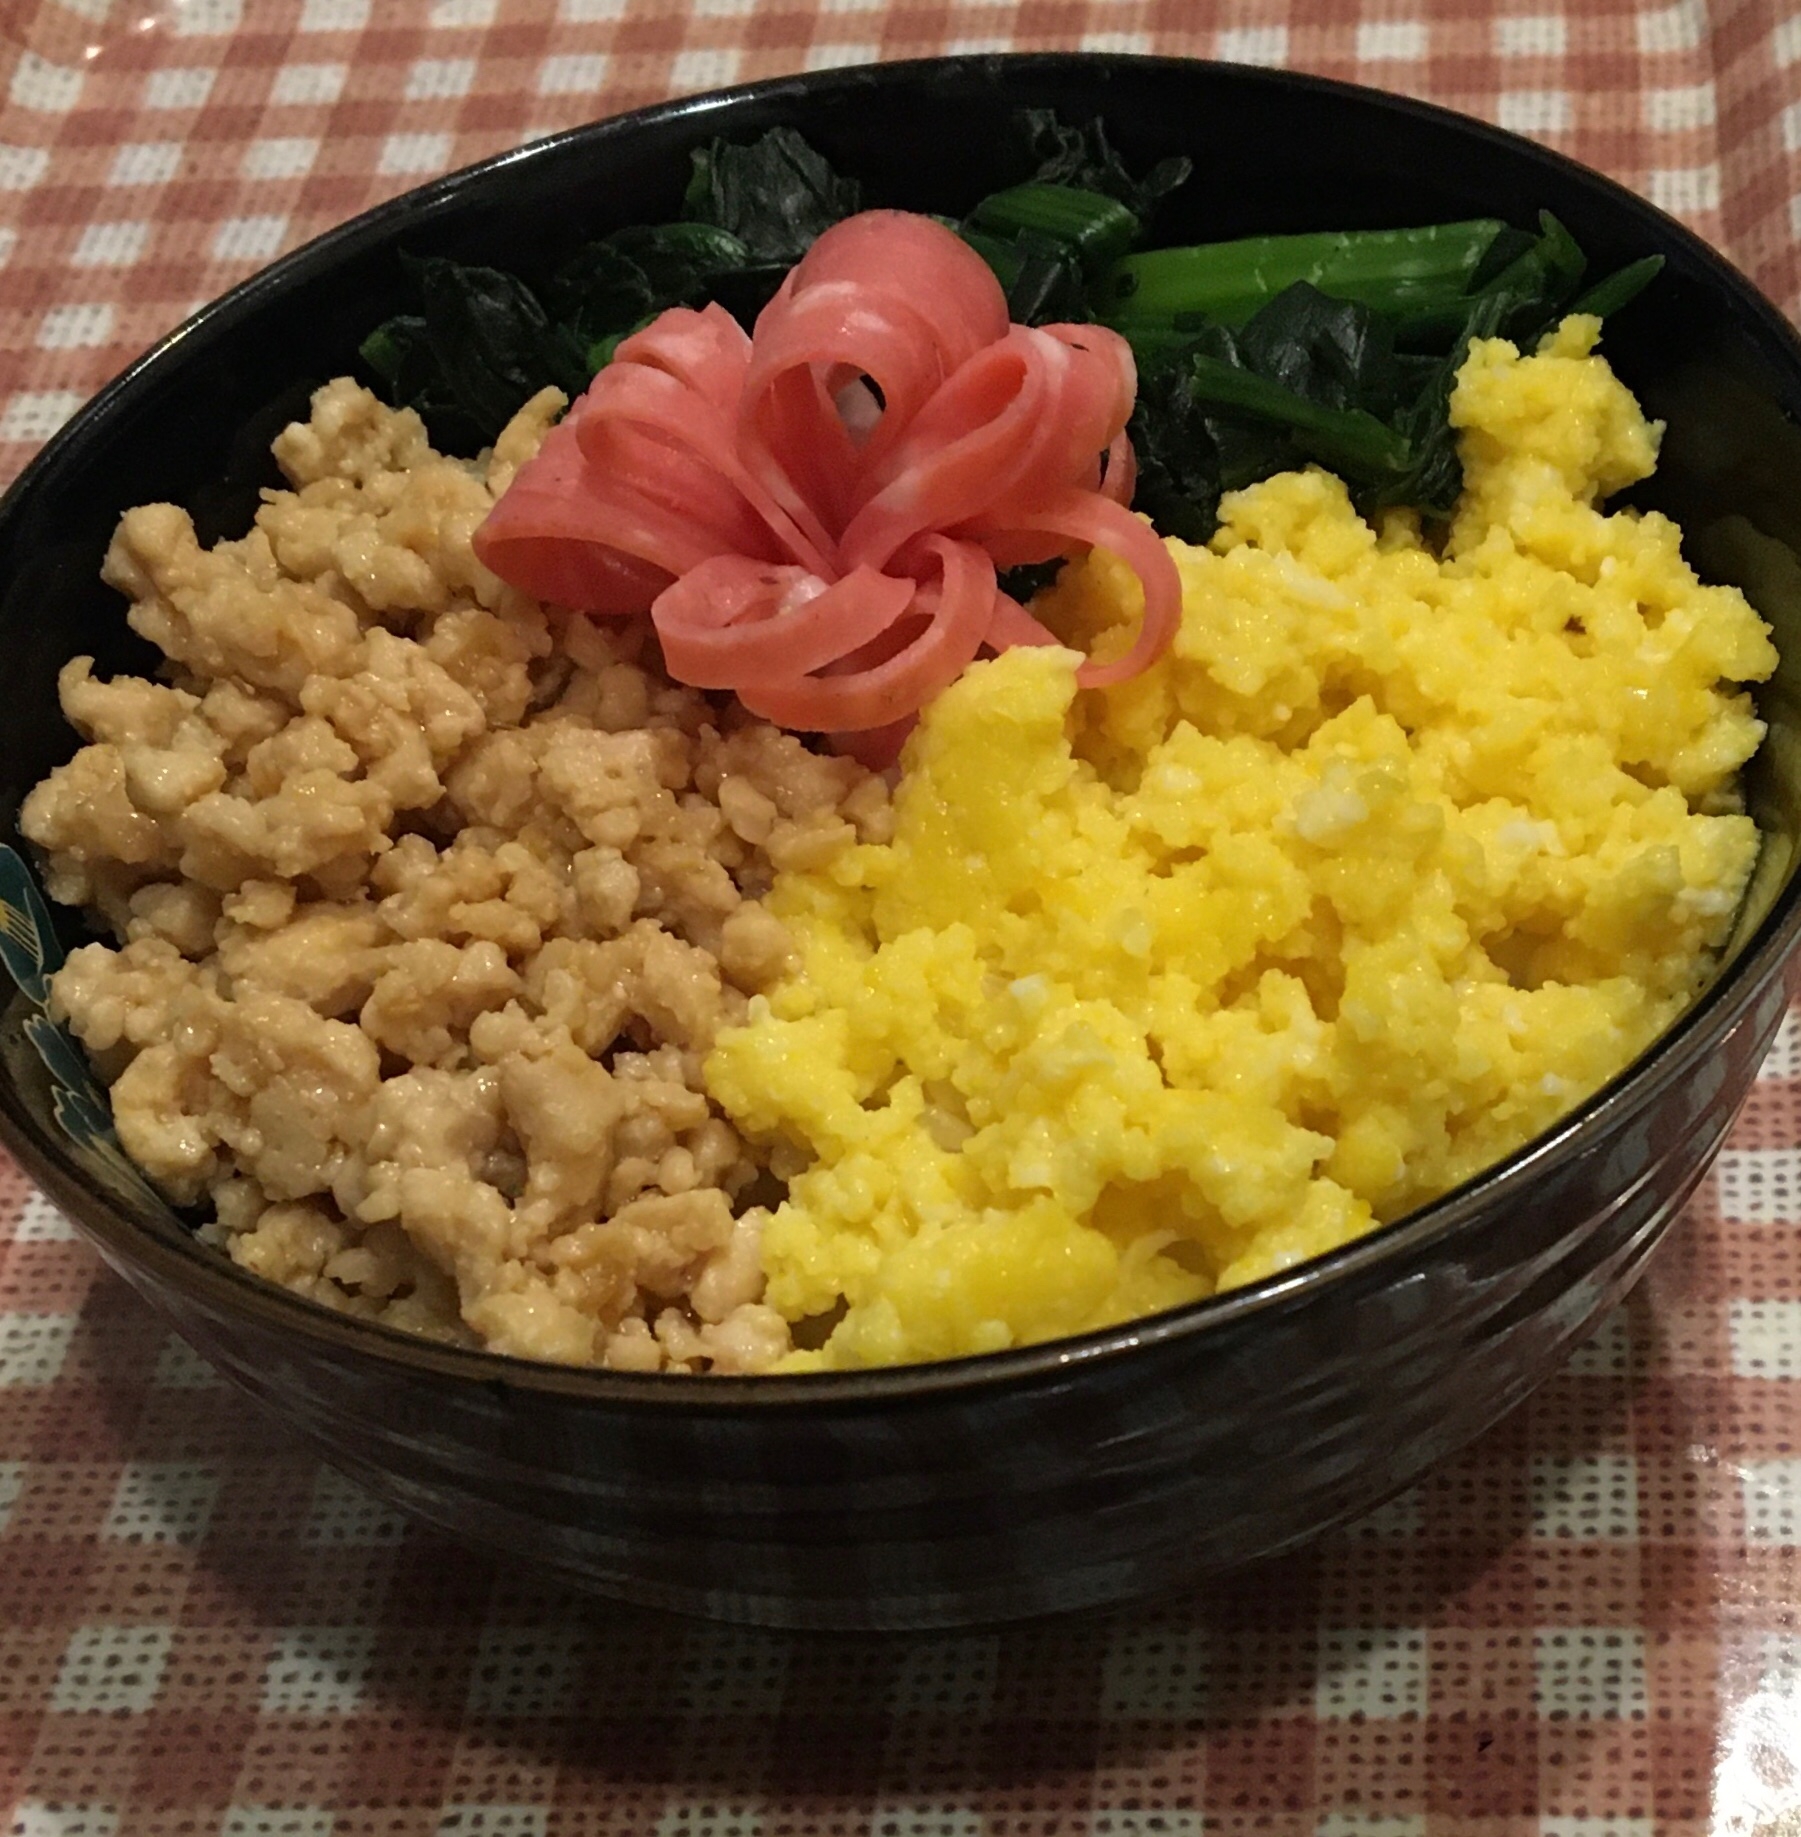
(623, 495)
(731, 623)
(652, 397)
(680, 378)
(574, 571)
(969, 445)
(792, 434)
(574, 532)
(541, 538)
(1087, 517)
(955, 612)
(1119, 474)
(902, 256)
(1012, 624)
(706, 351)
(632, 471)
(886, 295)
(1112, 358)
(875, 748)
(1092, 380)
(1026, 417)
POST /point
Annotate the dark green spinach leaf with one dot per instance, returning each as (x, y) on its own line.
(483, 341)
(775, 196)
(481, 345)
(1179, 457)
(1083, 157)
(1028, 578)
(1050, 238)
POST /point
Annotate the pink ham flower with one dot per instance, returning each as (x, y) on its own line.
(814, 515)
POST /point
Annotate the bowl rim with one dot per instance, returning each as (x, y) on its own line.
(191, 1266)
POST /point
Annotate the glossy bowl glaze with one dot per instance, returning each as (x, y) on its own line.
(1067, 1475)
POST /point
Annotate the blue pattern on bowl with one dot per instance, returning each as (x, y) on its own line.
(32, 954)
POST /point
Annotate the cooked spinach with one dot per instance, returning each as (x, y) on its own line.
(1049, 239)
(1620, 288)
(1361, 386)
(1030, 577)
(1309, 378)
(1254, 356)
(1042, 280)
(480, 345)
(775, 195)
(1084, 159)
(483, 341)
(1178, 444)
(1155, 296)
(609, 288)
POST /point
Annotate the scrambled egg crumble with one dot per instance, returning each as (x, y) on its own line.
(1159, 990)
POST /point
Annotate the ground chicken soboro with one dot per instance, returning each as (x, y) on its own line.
(428, 908)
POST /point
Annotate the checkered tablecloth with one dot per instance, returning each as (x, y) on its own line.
(1587, 1626)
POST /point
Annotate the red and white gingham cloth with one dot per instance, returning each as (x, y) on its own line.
(1587, 1626)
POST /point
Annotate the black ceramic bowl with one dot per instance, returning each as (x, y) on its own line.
(1070, 1474)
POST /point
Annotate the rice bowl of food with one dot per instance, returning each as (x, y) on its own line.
(959, 946)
